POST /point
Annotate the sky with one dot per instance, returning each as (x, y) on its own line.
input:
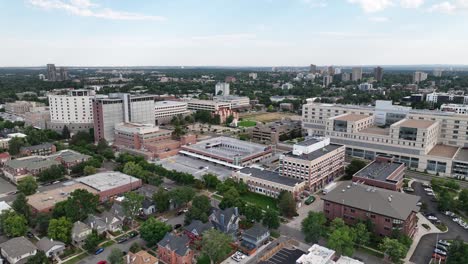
(232, 32)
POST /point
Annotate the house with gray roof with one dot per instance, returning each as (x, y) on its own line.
(175, 249)
(195, 230)
(80, 232)
(255, 236)
(96, 223)
(226, 221)
(50, 247)
(17, 169)
(387, 210)
(17, 250)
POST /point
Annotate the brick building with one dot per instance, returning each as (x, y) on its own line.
(40, 150)
(388, 211)
(383, 172)
(173, 249)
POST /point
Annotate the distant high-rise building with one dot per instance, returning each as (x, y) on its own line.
(118, 108)
(313, 68)
(63, 74)
(365, 86)
(337, 70)
(51, 73)
(356, 74)
(331, 70)
(222, 89)
(253, 75)
(327, 80)
(438, 72)
(378, 74)
(419, 77)
(346, 76)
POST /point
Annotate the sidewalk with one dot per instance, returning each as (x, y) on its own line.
(421, 231)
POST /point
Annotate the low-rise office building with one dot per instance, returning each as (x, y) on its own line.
(237, 102)
(389, 211)
(229, 152)
(315, 161)
(164, 111)
(269, 183)
(384, 173)
(273, 133)
(222, 109)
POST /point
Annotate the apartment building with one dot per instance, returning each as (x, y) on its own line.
(164, 111)
(455, 108)
(73, 108)
(389, 211)
(384, 172)
(21, 107)
(39, 150)
(315, 161)
(118, 108)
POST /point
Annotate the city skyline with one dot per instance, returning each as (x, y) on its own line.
(233, 33)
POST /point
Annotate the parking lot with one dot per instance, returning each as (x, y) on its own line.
(284, 256)
(196, 167)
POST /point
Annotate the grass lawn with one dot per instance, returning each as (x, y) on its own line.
(247, 123)
(76, 259)
(261, 200)
(108, 243)
(217, 197)
(369, 251)
(69, 252)
(203, 260)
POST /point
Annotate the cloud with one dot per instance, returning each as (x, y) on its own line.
(444, 7)
(86, 8)
(370, 6)
(411, 3)
(378, 19)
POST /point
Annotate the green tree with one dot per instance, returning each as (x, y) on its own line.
(287, 204)
(229, 119)
(80, 204)
(27, 185)
(362, 234)
(91, 242)
(452, 184)
(116, 256)
(39, 258)
(271, 219)
(13, 224)
(20, 205)
(211, 181)
(131, 204)
(231, 198)
(134, 169)
(463, 200)
(252, 212)
(15, 144)
(42, 223)
(88, 170)
(161, 199)
(200, 209)
(65, 132)
(215, 245)
(54, 172)
(395, 250)
(355, 166)
(458, 252)
(152, 231)
(135, 247)
(342, 241)
(181, 195)
(313, 226)
(60, 229)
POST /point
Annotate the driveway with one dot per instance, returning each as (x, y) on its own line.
(303, 211)
(103, 256)
(423, 251)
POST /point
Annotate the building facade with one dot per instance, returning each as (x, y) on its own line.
(273, 133)
(384, 172)
(356, 74)
(164, 111)
(222, 89)
(73, 108)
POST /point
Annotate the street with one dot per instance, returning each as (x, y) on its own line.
(103, 256)
(423, 251)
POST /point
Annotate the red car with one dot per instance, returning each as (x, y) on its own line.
(437, 256)
(102, 262)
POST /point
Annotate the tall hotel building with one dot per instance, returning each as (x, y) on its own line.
(74, 110)
(118, 108)
(432, 141)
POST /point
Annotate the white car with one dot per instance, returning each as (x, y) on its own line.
(428, 189)
(456, 220)
(430, 193)
(449, 213)
(432, 218)
(419, 204)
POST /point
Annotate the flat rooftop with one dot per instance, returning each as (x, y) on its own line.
(169, 103)
(462, 155)
(443, 151)
(270, 176)
(379, 201)
(309, 142)
(374, 130)
(317, 255)
(316, 154)
(351, 117)
(416, 123)
(32, 163)
(44, 200)
(227, 147)
(104, 181)
(380, 170)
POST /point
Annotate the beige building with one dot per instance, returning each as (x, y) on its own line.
(424, 140)
(21, 107)
(164, 111)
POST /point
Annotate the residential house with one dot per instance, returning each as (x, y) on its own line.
(254, 237)
(226, 221)
(39, 150)
(195, 230)
(141, 257)
(80, 232)
(148, 207)
(50, 247)
(17, 250)
(173, 249)
(96, 223)
(4, 157)
(113, 221)
(4, 206)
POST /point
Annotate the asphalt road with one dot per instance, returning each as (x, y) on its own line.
(423, 251)
(10, 198)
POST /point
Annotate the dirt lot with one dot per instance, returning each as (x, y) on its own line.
(269, 117)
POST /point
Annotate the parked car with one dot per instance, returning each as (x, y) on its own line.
(449, 213)
(419, 204)
(408, 189)
(309, 200)
(440, 252)
(437, 256)
(428, 190)
(122, 239)
(99, 251)
(432, 218)
(177, 226)
(430, 193)
(29, 234)
(444, 243)
(102, 262)
(426, 185)
(441, 247)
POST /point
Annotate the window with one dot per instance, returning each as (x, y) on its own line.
(372, 216)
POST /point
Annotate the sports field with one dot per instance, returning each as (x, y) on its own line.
(268, 117)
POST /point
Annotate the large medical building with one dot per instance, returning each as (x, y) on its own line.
(424, 140)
